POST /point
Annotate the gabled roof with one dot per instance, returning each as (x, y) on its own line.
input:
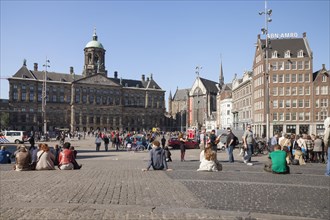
(282, 45)
(151, 84)
(210, 86)
(321, 71)
(23, 72)
(227, 86)
(181, 94)
(128, 82)
(59, 77)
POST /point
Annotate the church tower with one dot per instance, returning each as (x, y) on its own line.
(94, 57)
(221, 78)
(170, 103)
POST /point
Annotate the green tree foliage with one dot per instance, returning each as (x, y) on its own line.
(4, 120)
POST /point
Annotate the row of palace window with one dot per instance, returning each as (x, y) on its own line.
(128, 101)
(300, 116)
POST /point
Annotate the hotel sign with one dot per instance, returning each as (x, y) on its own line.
(282, 35)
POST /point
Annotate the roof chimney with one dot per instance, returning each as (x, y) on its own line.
(71, 70)
(258, 36)
(143, 78)
(116, 74)
(35, 67)
(150, 76)
(147, 79)
(304, 34)
(323, 66)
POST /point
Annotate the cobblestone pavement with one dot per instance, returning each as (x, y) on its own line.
(111, 185)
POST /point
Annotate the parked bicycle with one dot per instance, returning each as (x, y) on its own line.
(261, 147)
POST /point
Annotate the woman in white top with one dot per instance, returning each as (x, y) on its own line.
(208, 160)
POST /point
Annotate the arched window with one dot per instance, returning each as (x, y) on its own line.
(287, 54)
(274, 54)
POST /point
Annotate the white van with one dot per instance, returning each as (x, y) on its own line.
(16, 137)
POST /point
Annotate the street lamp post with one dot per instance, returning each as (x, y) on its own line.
(44, 96)
(264, 31)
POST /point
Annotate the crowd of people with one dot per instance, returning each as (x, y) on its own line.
(41, 157)
(289, 149)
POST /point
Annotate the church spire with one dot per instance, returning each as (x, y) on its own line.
(170, 103)
(221, 78)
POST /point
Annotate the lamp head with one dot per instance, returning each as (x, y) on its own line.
(269, 12)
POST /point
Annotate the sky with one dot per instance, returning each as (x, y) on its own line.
(165, 38)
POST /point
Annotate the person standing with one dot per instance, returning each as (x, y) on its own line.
(202, 139)
(248, 145)
(163, 140)
(32, 141)
(230, 144)
(213, 139)
(182, 146)
(317, 149)
(106, 142)
(98, 141)
(327, 143)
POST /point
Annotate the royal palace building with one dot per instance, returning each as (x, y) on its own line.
(91, 101)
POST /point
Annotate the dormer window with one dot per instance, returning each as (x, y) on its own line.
(274, 54)
(287, 54)
(300, 53)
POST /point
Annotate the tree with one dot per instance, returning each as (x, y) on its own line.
(4, 120)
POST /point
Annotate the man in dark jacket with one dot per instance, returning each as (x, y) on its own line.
(157, 158)
(230, 144)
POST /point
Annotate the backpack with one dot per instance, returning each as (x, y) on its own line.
(236, 141)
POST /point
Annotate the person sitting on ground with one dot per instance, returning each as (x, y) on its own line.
(4, 156)
(157, 158)
(66, 158)
(56, 153)
(285, 144)
(45, 158)
(73, 151)
(299, 156)
(278, 163)
(23, 159)
(76, 166)
(208, 160)
(33, 153)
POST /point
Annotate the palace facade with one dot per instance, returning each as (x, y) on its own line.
(91, 101)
